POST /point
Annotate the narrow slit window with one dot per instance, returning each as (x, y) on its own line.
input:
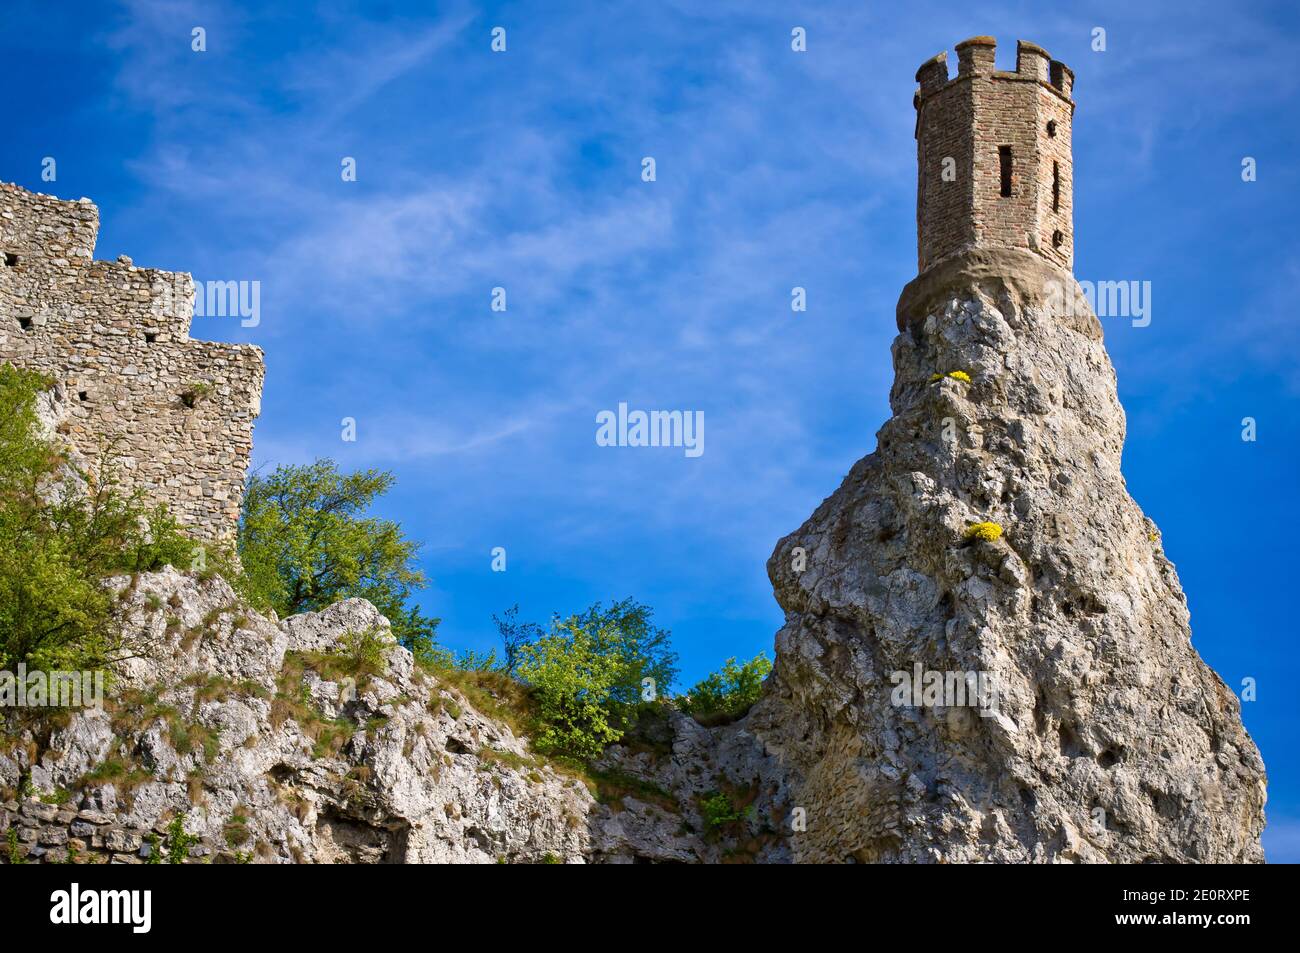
(1056, 186)
(1004, 168)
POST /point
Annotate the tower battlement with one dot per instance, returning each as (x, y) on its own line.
(994, 164)
(177, 414)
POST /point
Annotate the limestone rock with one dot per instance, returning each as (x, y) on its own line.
(221, 719)
(1110, 739)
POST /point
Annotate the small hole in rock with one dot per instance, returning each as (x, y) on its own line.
(150, 337)
(83, 395)
(25, 323)
(11, 260)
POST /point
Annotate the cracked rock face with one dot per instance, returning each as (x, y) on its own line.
(240, 727)
(1109, 739)
(271, 762)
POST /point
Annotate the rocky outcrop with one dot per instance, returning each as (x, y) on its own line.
(697, 795)
(255, 736)
(267, 742)
(1102, 736)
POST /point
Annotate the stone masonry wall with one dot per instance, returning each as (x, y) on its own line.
(970, 118)
(38, 832)
(174, 413)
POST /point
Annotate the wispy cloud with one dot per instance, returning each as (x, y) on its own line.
(775, 170)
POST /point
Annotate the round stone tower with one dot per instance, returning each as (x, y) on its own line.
(993, 154)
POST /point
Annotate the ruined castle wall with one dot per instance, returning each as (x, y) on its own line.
(176, 414)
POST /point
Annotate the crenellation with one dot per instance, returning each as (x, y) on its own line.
(993, 154)
(975, 56)
(174, 413)
(1062, 77)
(1032, 61)
(933, 73)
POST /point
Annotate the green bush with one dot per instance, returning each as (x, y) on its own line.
(59, 539)
(178, 841)
(306, 541)
(729, 693)
(573, 677)
(363, 654)
(11, 843)
(717, 811)
(588, 675)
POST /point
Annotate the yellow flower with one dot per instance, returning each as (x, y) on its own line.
(985, 532)
(935, 377)
(960, 376)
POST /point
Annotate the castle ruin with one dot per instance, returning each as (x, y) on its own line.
(176, 415)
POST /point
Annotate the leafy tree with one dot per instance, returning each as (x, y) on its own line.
(573, 677)
(306, 541)
(61, 533)
(587, 675)
(730, 692)
(624, 631)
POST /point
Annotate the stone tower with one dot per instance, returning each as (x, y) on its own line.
(993, 154)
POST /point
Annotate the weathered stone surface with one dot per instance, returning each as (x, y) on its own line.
(215, 724)
(176, 414)
(1111, 741)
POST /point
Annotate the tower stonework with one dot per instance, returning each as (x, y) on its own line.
(993, 154)
(174, 415)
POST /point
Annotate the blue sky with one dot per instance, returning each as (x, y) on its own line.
(775, 169)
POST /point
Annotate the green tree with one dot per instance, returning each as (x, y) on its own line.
(643, 651)
(727, 693)
(573, 677)
(588, 675)
(306, 541)
(61, 533)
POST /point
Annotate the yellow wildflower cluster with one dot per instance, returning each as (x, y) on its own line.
(985, 532)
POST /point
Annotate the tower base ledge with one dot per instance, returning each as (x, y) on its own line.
(1030, 278)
